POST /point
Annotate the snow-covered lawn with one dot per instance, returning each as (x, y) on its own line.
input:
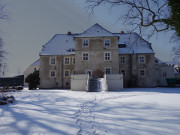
(141, 111)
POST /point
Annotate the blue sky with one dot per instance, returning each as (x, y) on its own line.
(33, 23)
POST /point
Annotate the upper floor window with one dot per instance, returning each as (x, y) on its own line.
(107, 70)
(52, 60)
(85, 56)
(107, 56)
(106, 42)
(141, 59)
(66, 61)
(122, 59)
(142, 72)
(85, 42)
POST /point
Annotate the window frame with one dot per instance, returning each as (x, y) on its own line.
(140, 73)
(107, 56)
(85, 56)
(73, 60)
(122, 60)
(106, 42)
(50, 73)
(124, 72)
(164, 74)
(110, 70)
(66, 61)
(141, 60)
(50, 62)
(65, 73)
(85, 43)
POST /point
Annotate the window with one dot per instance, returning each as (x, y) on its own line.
(89, 72)
(142, 72)
(121, 45)
(108, 70)
(52, 73)
(106, 42)
(141, 59)
(66, 73)
(73, 60)
(70, 50)
(122, 71)
(66, 61)
(164, 74)
(107, 56)
(52, 60)
(85, 42)
(85, 56)
(122, 59)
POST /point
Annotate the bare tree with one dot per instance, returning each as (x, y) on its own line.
(3, 64)
(143, 15)
(176, 53)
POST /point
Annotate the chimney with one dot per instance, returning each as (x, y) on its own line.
(69, 33)
(122, 32)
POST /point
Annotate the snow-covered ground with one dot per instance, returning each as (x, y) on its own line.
(141, 111)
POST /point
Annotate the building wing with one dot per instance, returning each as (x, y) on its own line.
(60, 44)
(130, 43)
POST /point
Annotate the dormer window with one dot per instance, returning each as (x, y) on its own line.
(70, 50)
(121, 45)
(106, 42)
(85, 42)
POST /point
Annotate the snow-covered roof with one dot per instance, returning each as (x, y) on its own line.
(60, 44)
(63, 44)
(134, 44)
(96, 31)
(157, 60)
(36, 63)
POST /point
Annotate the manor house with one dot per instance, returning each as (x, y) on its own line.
(97, 51)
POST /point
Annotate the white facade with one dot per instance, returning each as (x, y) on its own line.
(164, 71)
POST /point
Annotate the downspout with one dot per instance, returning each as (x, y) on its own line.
(62, 69)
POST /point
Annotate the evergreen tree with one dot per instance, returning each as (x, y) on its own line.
(33, 80)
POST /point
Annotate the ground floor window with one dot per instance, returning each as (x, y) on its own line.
(123, 71)
(52, 73)
(107, 70)
(142, 72)
(66, 73)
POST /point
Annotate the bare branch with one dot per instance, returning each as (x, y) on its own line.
(145, 13)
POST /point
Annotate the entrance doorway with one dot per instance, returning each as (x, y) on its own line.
(90, 73)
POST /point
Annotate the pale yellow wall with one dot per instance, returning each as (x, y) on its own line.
(132, 67)
(96, 50)
(59, 81)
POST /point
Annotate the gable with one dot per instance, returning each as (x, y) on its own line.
(96, 31)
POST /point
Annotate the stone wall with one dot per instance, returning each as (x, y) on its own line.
(132, 68)
(96, 50)
(59, 80)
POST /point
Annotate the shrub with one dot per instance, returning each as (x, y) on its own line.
(33, 80)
